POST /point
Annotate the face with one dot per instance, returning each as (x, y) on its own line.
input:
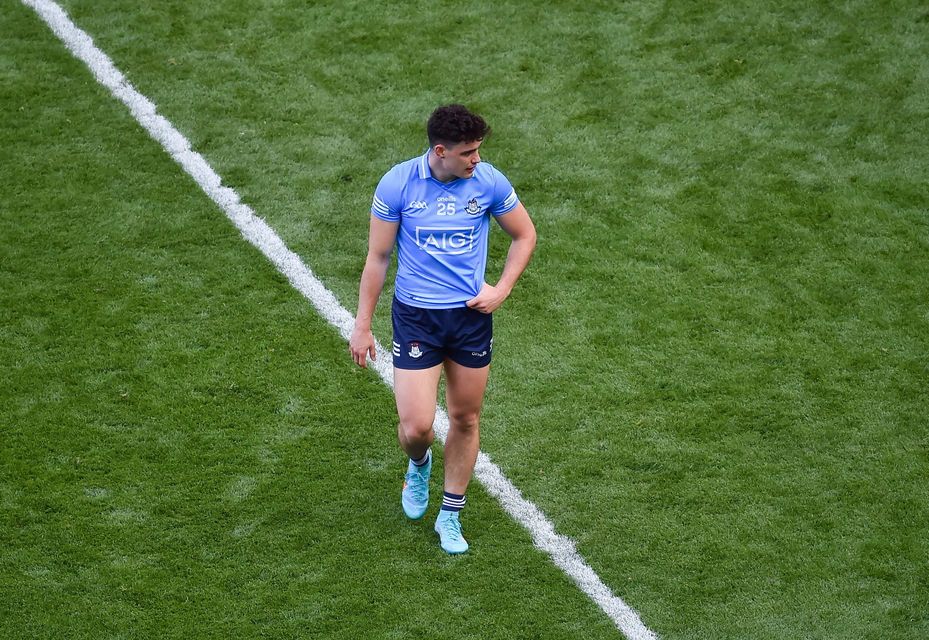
(460, 159)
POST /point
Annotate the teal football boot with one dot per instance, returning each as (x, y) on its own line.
(415, 495)
(449, 529)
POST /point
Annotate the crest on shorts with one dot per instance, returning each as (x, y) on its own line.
(415, 351)
(473, 207)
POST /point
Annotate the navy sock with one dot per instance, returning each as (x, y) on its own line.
(453, 501)
(421, 462)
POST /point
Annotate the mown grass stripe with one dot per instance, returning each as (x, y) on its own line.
(560, 548)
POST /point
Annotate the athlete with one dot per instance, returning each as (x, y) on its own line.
(436, 210)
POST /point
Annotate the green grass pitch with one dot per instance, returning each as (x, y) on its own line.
(714, 376)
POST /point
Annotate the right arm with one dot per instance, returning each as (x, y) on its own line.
(381, 239)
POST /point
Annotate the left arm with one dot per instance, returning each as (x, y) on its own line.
(518, 225)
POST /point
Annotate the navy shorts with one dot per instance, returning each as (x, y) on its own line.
(424, 338)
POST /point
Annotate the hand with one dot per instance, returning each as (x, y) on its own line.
(489, 299)
(360, 345)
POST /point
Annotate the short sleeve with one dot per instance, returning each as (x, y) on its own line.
(386, 204)
(504, 198)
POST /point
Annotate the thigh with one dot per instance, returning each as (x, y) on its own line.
(415, 391)
(464, 388)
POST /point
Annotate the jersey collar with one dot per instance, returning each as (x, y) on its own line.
(424, 172)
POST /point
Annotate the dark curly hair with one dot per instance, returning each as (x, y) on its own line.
(453, 123)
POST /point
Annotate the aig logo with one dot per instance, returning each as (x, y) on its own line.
(445, 240)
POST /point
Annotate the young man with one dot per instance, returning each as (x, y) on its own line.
(436, 209)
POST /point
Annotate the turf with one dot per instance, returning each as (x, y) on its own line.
(713, 375)
(181, 459)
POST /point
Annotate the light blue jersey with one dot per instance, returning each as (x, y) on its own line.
(444, 228)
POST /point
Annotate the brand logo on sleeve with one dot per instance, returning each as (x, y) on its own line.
(445, 240)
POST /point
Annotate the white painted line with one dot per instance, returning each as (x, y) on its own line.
(256, 231)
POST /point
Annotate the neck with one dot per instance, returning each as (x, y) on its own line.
(438, 171)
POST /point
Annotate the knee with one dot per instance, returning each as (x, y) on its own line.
(464, 420)
(416, 429)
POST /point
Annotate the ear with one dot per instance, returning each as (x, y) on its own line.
(440, 150)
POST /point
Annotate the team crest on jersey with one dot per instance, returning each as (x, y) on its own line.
(473, 207)
(415, 351)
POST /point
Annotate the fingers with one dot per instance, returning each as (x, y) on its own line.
(479, 304)
(359, 354)
(478, 300)
(484, 304)
(360, 345)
